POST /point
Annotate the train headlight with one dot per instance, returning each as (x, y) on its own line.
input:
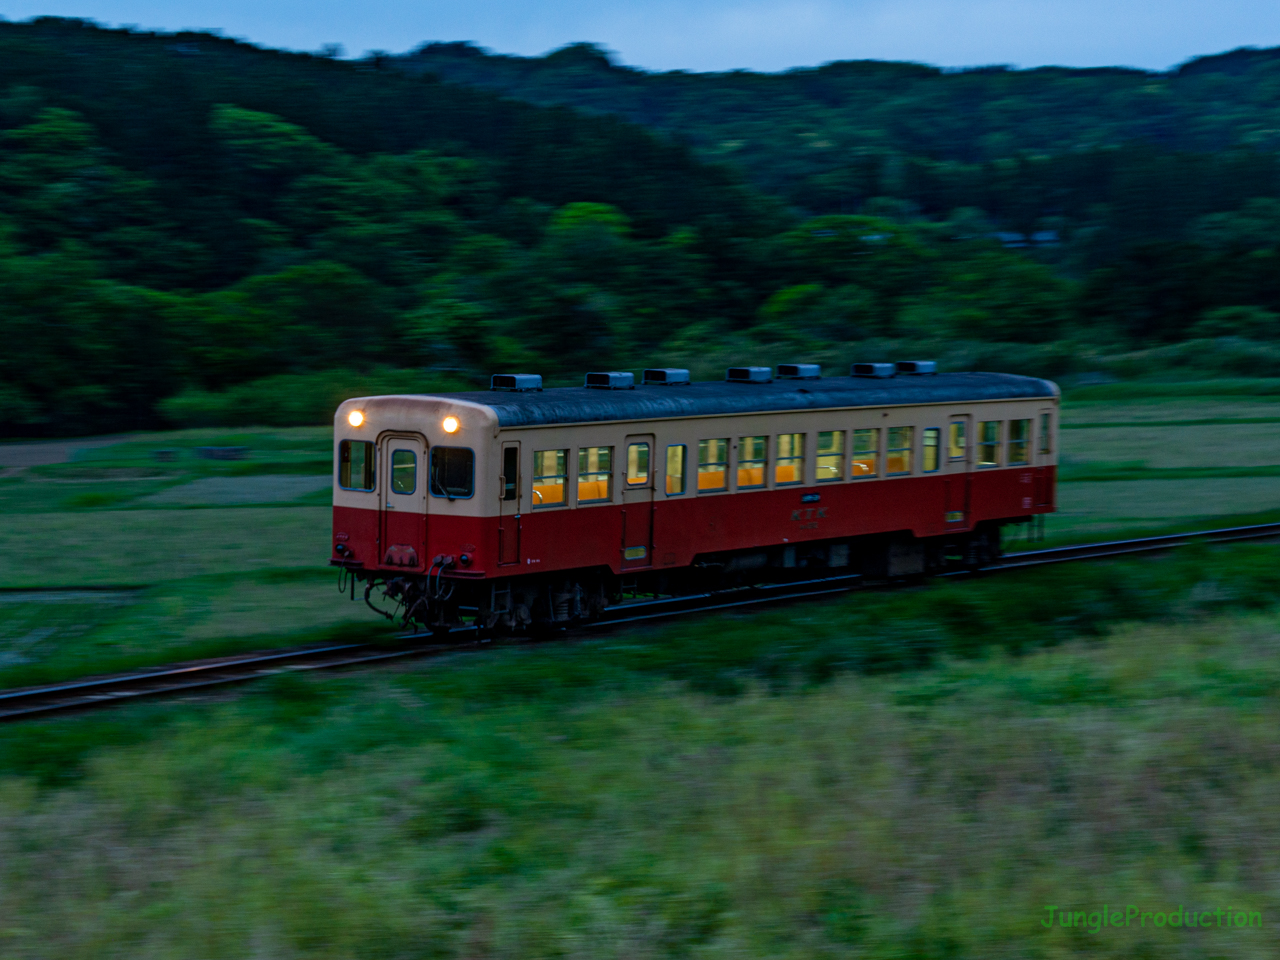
(450, 424)
(355, 418)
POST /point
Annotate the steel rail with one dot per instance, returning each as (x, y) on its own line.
(24, 702)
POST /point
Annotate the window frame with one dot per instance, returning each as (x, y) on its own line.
(1025, 443)
(764, 464)
(413, 454)
(564, 477)
(779, 459)
(684, 470)
(818, 455)
(607, 474)
(627, 482)
(909, 450)
(925, 447)
(874, 451)
(431, 461)
(723, 464)
(963, 431)
(998, 443)
(371, 450)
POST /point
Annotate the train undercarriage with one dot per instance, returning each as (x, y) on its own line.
(437, 602)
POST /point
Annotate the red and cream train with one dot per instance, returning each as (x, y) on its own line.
(522, 506)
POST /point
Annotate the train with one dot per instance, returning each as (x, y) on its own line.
(519, 507)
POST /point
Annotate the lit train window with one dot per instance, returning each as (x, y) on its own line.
(929, 455)
(753, 457)
(1044, 433)
(637, 464)
(404, 471)
(675, 469)
(595, 473)
(830, 455)
(789, 463)
(453, 472)
(713, 464)
(956, 448)
(355, 465)
(989, 443)
(1019, 436)
(897, 454)
(549, 477)
(866, 451)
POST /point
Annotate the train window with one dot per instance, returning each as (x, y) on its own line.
(956, 441)
(1044, 433)
(897, 455)
(1019, 435)
(830, 455)
(675, 469)
(989, 443)
(866, 453)
(355, 465)
(510, 473)
(753, 457)
(637, 464)
(453, 472)
(789, 464)
(932, 435)
(549, 477)
(595, 474)
(713, 464)
(404, 471)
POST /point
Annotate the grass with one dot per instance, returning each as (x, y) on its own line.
(765, 786)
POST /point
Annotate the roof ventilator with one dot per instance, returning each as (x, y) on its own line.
(920, 367)
(799, 371)
(611, 381)
(516, 382)
(749, 375)
(666, 376)
(873, 370)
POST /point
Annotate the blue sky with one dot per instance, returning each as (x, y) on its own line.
(726, 34)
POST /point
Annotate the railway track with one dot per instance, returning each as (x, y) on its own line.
(196, 676)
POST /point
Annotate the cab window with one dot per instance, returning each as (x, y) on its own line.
(549, 477)
(753, 454)
(675, 469)
(1044, 433)
(789, 465)
(897, 454)
(595, 473)
(404, 471)
(713, 464)
(453, 472)
(355, 465)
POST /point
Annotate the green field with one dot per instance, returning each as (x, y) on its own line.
(922, 783)
(231, 553)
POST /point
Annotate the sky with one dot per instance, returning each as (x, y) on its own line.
(728, 34)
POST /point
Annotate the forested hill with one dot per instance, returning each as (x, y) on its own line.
(1022, 144)
(197, 230)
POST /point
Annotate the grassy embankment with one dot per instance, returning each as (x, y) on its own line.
(230, 553)
(770, 784)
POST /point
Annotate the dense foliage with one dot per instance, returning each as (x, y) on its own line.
(185, 217)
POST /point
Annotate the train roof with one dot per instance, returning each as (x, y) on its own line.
(717, 398)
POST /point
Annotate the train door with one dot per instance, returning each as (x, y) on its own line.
(959, 480)
(1044, 440)
(402, 496)
(637, 502)
(509, 501)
